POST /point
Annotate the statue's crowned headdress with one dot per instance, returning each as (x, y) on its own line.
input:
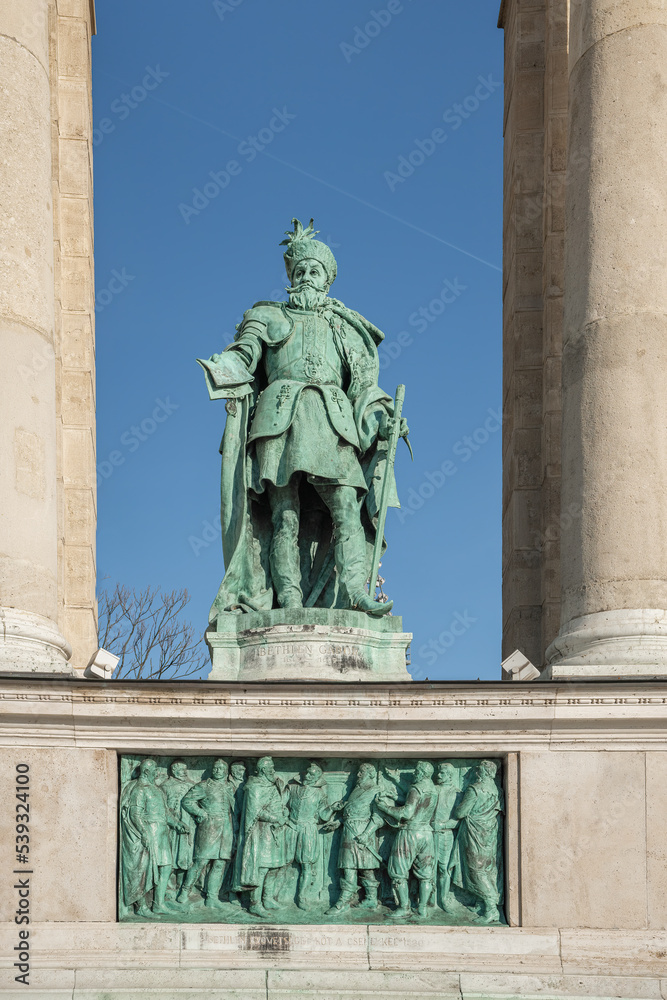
(300, 245)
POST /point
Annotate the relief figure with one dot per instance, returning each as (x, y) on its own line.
(211, 802)
(413, 849)
(358, 857)
(175, 787)
(444, 824)
(147, 860)
(308, 807)
(477, 865)
(262, 852)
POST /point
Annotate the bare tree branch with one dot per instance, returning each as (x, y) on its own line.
(145, 629)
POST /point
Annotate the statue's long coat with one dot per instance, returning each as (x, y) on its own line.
(262, 839)
(245, 517)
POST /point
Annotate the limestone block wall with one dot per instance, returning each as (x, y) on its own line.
(73, 23)
(47, 404)
(535, 127)
(585, 776)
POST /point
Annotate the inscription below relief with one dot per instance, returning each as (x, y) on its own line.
(258, 840)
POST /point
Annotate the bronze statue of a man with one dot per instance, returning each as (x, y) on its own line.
(444, 824)
(308, 807)
(414, 848)
(305, 446)
(146, 847)
(175, 787)
(211, 802)
(358, 857)
(478, 851)
(262, 849)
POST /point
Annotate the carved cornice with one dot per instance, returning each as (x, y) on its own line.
(340, 718)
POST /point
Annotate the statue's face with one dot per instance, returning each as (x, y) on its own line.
(445, 774)
(179, 770)
(310, 271)
(238, 771)
(268, 769)
(148, 771)
(423, 770)
(486, 771)
(365, 774)
(219, 770)
(312, 775)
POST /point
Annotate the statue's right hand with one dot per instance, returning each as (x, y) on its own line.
(201, 816)
(215, 358)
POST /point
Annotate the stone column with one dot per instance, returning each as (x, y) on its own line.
(29, 636)
(614, 551)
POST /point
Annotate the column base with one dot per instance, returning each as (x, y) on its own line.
(610, 645)
(31, 644)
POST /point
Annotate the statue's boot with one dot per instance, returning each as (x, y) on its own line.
(403, 895)
(191, 877)
(447, 900)
(256, 907)
(306, 899)
(425, 889)
(350, 552)
(284, 555)
(491, 913)
(272, 885)
(348, 888)
(370, 900)
(213, 886)
(344, 902)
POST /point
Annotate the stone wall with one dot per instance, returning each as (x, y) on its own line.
(585, 778)
(535, 128)
(72, 24)
(47, 407)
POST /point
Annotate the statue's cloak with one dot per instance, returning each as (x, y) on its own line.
(245, 516)
(138, 864)
(262, 833)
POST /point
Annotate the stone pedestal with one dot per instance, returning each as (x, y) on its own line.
(587, 909)
(308, 644)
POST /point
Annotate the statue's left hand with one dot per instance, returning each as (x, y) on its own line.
(386, 425)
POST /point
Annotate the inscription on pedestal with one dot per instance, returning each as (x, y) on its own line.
(290, 841)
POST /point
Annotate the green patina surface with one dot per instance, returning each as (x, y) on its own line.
(302, 618)
(308, 448)
(259, 840)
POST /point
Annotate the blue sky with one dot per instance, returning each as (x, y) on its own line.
(213, 127)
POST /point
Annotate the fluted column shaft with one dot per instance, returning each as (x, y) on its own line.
(614, 554)
(29, 638)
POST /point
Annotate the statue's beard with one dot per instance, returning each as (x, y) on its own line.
(306, 296)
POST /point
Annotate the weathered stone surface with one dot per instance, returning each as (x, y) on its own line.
(308, 644)
(596, 802)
